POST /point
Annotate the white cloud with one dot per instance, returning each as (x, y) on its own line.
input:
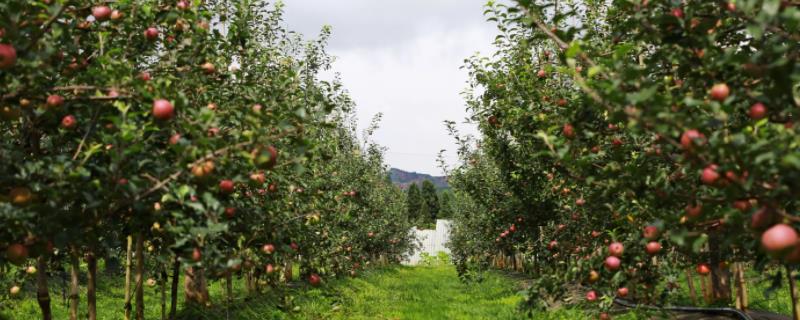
(402, 59)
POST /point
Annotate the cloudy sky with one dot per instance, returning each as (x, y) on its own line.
(402, 58)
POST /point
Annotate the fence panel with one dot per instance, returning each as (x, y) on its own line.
(430, 241)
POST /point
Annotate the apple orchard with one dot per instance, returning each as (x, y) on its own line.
(628, 149)
(182, 139)
(631, 148)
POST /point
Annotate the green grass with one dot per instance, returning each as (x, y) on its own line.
(111, 300)
(422, 292)
(414, 293)
(390, 293)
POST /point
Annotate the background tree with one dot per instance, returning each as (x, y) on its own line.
(413, 203)
(430, 200)
(445, 204)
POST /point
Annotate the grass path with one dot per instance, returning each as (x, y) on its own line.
(413, 293)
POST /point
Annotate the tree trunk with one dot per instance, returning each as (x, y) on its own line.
(91, 285)
(705, 283)
(287, 271)
(741, 288)
(42, 293)
(163, 281)
(248, 281)
(690, 283)
(793, 293)
(720, 274)
(195, 287)
(128, 263)
(176, 273)
(139, 277)
(74, 289)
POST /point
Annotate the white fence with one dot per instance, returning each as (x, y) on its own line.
(430, 241)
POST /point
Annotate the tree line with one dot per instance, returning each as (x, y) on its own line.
(425, 204)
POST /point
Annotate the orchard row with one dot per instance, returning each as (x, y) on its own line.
(188, 137)
(628, 145)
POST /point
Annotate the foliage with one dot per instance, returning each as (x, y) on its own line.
(599, 119)
(441, 258)
(445, 204)
(414, 203)
(199, 128)
(430, 200)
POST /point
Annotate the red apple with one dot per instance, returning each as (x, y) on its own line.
(512, 228)
(568, 131)
(541, 73)
(596, 234)
(163, 109)
(612, 263)
(710, 175)
(580, 202)
(762, 218)
(691, 138)
(650, 232)
(226, 186)
(622, 292)
(151, 34)
(779, 238)
(757, 111)
(616, 142)
(8, 56)
(144, 76)
(230, 212)
(175, 139)
(314, 279)
(616, 249)
(269, 268)
(101, 13)
(268, 248)
(197, 255)
(604, 316)
(720, 92)
(703, 269)
(591, 296)
(493, 120)
(208, 68)
(742, 205)
(677, 13)
(653, 247)
(694, 210)
(294, 246)
(552, 245)
(17, 253)
(182, 5)
(266, 158)
(370, 234)
(116, 15)
(69, 122)
(55, 100)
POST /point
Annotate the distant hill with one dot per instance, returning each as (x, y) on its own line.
(405, 179)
